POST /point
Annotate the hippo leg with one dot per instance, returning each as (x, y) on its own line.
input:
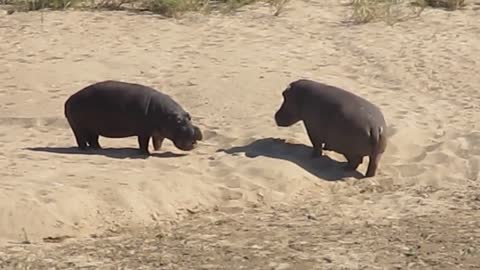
(143, 144)
(353, 161)
(373, 164)
(316, 141)
(157, 142)
(79, 137)
(93, 141)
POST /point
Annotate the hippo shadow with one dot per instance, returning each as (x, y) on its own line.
(322, 167)
(119, 153)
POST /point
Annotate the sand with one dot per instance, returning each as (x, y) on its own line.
(228, 72)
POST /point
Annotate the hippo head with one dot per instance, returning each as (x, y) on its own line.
(180, 130)
(288, 114)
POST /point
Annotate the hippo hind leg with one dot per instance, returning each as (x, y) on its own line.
(81, 140)
(353, 161)
(80, 136)
(93, 141)
(374, 159)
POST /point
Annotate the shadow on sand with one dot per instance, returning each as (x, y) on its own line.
(322, 167)
(120, 153)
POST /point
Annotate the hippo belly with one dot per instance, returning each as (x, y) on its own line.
(111, 124)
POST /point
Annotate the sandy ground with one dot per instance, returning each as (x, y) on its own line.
(249, 196)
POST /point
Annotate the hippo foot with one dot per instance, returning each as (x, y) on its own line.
(349, 167)
(143, 152)
(316, 154)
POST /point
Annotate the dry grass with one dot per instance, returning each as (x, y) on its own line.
(301, 237)
(393, 11)
(168, 8)
(364, 11)
(448, 4)
(278, 5)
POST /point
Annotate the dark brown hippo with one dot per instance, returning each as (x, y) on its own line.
(335, 120)
(116, 109)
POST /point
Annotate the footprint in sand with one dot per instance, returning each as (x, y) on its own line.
(82, 186)
(228, 194)
(17, 121)
(6, 186)
(220, 168)
(234, 182)
(43, 196)
(55, 93)
(401, 114)
(437, 158)
(411, 170)
(53, 122)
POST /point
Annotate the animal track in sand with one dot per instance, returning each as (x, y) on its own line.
(234, 181)
(228, 194)
(221, 169)
(43, 195)
(33, 122)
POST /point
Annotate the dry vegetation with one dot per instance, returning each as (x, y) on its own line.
(363, 10)
(397, 10)
(283, 237)
(168, 8)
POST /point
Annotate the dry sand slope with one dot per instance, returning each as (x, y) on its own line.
(228, 72)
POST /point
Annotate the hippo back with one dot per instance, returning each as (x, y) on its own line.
(115, 108)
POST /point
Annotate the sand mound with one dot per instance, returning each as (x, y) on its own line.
(228, 72)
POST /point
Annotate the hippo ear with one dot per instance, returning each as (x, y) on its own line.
(286, 91)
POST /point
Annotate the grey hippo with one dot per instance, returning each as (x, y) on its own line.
(335, 120)
(116, 109)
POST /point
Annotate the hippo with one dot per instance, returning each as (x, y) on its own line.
(335, 120)
(117, 109)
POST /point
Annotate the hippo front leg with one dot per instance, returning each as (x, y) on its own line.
(143, 144)
(316, 140)
(157, 142)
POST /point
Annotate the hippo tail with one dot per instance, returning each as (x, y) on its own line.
(378, 139)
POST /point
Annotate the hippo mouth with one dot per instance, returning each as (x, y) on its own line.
(187, 138)
(283, 119)
(185, 145)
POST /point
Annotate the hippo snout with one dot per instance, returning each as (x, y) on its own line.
(198, 135)
(285, 119)
(278, 119)
(187, 138)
